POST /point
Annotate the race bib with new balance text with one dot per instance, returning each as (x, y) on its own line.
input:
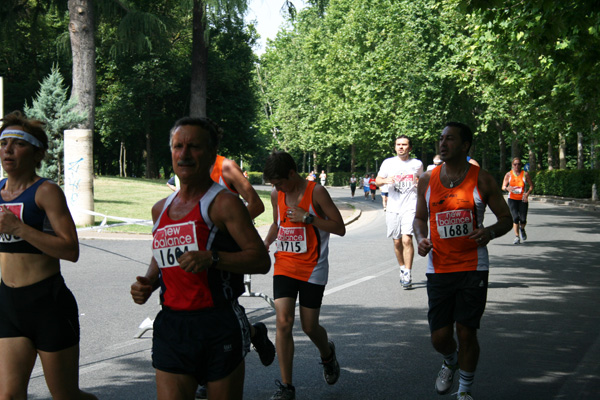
(172, 241)
(457, 223)
(17, 209)
(404, 183)
(292, 239)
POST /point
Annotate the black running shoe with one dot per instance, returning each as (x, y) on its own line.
(262, 344)
(331, 368)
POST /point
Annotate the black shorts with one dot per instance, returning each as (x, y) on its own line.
(207, 344)
(518, 210)
(456, 297)
(311, 294)
(45, 312)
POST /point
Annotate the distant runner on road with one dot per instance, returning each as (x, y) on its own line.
(518, 198)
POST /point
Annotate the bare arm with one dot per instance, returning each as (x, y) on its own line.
(272, 234)
(530, 183)
(506, 181)
(142, 288)
(332, 223)
(229, 215)
(420, 223)
(493, 197)
(64, 243)
(234, 176)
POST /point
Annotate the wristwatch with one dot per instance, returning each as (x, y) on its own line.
(215, 258)
(308, 218)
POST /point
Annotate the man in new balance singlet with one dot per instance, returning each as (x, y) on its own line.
(203, 244)
(303, 217)
(450, 206)
(518, 198)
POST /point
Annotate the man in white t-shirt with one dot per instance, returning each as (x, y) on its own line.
(401, 173)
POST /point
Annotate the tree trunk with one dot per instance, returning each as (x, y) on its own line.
(502, 146)
(579, 150)
(81, 32)
(532, 156)
(121, 160)
(352, 158)
(315, 165)
(562, 151)
(515, 148)
(594, 154)
(199, 61)
(550, 158)
(150, 164)
(304, 161)
(125, 161)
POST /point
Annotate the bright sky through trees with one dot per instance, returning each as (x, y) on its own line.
(267, 13)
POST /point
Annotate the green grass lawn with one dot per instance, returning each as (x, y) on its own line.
(134, 198)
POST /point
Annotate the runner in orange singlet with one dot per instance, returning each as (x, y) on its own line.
(303, 217)
(518, 199)
(452, 199)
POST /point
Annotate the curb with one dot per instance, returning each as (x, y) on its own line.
(582, 204)
(356, 215)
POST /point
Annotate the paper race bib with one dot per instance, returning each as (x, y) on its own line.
(457, 223)
(172, 241)
(17, 209)
(292, 239)
(404, 183)
(517, 189)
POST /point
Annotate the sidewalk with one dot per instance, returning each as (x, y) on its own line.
(586, 204)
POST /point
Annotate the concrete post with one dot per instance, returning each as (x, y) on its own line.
(79, 175)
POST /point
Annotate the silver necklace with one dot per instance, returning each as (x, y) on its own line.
(452, 182)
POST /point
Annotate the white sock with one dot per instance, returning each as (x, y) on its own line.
(402, 269)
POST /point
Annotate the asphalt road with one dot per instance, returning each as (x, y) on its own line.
(540, 336)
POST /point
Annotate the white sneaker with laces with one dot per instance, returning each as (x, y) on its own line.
(445, 378)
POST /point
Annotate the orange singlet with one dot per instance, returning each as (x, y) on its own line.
(518, 182)
(453, 214)
(216, 174)
(302, 249)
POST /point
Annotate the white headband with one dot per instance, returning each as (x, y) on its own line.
(19, 134)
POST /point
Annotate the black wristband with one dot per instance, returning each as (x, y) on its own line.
(215, 258)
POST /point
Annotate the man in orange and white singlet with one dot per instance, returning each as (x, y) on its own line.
(401, 173)
(228, 173)
(518, 198)
(450, 207)
(303, 217)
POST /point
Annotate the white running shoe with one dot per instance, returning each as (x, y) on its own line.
(445, 378)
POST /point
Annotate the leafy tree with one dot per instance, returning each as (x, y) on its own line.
(52, 107)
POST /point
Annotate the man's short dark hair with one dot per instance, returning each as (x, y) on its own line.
(278, 166)
(466, 134)
(403, 137)
(214, 131)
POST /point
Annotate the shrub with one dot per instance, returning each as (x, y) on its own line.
(566, 183)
